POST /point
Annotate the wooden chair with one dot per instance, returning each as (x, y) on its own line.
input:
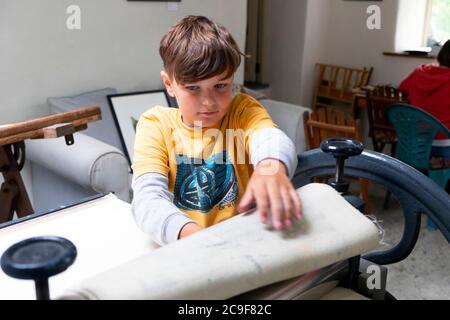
(335, 86)
(381, 130)
(331, 123)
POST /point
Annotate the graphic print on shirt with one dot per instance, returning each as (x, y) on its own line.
(203, 184)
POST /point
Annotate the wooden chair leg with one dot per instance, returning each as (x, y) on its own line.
(13, 194)
(364, 194)
(393, 149)
(8, 196)
(321, 179)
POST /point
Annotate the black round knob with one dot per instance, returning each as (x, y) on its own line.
(38, 258)
(340, 147)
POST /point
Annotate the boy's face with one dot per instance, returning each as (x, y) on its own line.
(206, 100)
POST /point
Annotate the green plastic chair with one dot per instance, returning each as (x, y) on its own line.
(416, 130)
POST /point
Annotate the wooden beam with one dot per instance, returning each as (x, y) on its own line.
(40, 123)
(48, 131)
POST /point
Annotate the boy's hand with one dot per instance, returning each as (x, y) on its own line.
(272, 190)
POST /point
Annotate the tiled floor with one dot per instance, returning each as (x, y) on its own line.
(425, 274)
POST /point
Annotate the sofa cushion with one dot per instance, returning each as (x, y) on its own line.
(289, 118)
(104, 130)
(88, 163)
(253, 93)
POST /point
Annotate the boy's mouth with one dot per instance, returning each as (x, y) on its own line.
(208, 113)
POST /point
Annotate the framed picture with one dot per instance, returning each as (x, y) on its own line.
(127, 108)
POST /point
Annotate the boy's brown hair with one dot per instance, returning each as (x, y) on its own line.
(196, 49)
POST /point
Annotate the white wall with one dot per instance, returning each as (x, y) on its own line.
(117, 46)
(304, 32)
(315, 48)
(352, 43)
(285, 33)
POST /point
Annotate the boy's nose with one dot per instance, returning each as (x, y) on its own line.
(208, 100)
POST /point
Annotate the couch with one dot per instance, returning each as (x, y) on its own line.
(62, 175)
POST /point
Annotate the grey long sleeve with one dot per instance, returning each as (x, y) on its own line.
(275, 144)
(153, 208)
(154, 211)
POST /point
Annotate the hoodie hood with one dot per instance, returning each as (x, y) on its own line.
(430, 79)
(428, 87)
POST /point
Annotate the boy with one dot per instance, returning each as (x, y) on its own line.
(193, 164)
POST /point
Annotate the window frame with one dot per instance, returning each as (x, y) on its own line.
(426, 28)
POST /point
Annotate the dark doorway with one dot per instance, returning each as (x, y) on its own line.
(255, 66)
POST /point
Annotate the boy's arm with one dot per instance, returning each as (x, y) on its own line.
(272, 143)
(154, 211)
(270, 186)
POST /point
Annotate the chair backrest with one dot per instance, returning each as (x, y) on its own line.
(378, 100)
(330, 123)
(338, 83)
(416, 130)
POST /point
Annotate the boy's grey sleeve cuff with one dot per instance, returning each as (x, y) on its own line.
(154, 211)
(274, 144)
(173, 226)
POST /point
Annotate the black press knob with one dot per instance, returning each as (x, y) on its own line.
(340, 147)
(38, 259)
(343, 149)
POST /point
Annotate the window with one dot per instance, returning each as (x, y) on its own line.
(411, 24)
(438, 24)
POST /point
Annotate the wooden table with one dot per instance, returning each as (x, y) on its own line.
(13, 195)
(359, 103)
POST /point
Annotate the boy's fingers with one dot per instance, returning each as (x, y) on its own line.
(246, 201)
(288, 207)
(276, 207)
(297, 204)
(262, 203)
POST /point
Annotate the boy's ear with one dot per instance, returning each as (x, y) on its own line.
(167, 83)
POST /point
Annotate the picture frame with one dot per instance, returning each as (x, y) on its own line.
(126, 109)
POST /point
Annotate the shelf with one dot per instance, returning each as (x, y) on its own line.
(410, 55)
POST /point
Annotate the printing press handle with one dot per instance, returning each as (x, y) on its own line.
(38, 259)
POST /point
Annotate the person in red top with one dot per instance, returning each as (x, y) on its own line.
(428, 87)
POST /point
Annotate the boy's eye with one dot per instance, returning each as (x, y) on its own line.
(192, 88)
(221, 86)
